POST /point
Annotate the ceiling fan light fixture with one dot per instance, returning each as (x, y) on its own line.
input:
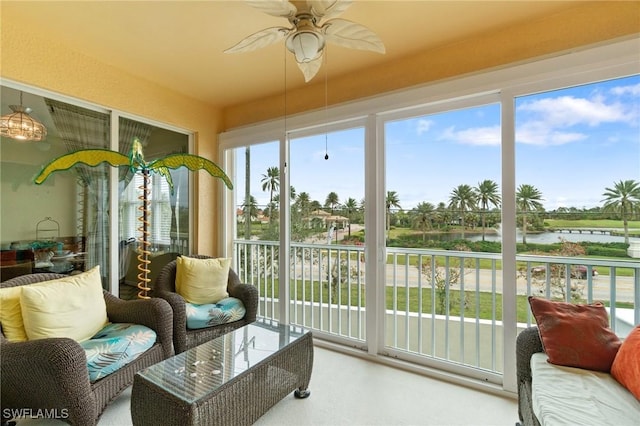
(313, 24)
(20, 125)
(306, 46)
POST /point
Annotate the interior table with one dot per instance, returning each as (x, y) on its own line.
(231, 380)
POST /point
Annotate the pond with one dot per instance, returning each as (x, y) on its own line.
(538, 238)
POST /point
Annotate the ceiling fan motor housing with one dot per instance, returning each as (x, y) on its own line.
(306, 43)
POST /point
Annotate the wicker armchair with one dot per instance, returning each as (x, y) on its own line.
(52, 374)
(184, 338)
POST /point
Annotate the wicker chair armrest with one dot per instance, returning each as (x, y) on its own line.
(179, 308)
(177, 304)
(154, 313)
(249, 296)
(57, 365)
(527, 343)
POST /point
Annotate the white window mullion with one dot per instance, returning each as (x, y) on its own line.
(509, 311)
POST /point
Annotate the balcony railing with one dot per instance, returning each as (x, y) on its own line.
(440, 305)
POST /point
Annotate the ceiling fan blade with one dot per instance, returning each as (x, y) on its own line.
(281, 8)
(260, 39)
(328, 8)
(354, 36)
(310, 69)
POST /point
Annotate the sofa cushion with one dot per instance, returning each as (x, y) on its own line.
(115, 346)
(626, 365)
(202, 281)
(575, 335)
(71, 307)
(226, 310)
(574, 396)
(11, 314)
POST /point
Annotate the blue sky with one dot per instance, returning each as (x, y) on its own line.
(570, 144)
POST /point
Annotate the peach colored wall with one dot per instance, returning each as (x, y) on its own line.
(585, 24)
(30, 59)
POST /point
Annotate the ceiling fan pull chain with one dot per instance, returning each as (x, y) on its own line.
(326, 111)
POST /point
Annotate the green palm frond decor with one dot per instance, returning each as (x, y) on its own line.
(136, 163)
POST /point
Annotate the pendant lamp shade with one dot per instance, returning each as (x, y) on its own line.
(20, 125)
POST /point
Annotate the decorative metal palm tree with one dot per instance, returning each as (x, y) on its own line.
(136, 163)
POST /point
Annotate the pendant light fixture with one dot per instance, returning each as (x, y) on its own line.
(20, 125)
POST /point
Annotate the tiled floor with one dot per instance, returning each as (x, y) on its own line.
(347, 390)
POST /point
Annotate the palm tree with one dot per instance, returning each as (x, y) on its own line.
(462, 198)
(443, 215)
(391, 201)
(528, 198)
(292, 194)
(487, 192)
(315, 205)
(136, 164)
(624, 199)
(332, 201)
(421, 217)
(250, 208)
(303, 202)
(271, 182)
(350, 207)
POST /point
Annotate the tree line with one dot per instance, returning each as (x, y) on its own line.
(468, 207)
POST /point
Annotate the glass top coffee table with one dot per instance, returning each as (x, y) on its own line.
(231, 380)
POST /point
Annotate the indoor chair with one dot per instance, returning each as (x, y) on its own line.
(186, 338)
(52, 377)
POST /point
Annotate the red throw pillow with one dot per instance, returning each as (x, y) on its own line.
(626, 365)
(575, 335)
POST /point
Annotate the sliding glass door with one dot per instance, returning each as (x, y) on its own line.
(443, 211)
(165, 221)
(327, 234)
(65, 224)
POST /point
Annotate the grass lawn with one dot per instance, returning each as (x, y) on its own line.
(483, 305)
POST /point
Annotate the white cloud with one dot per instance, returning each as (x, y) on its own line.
(539, 133)
(633, 90)
(567, 111)
(554, 121)
(424, 126)
(484, 136)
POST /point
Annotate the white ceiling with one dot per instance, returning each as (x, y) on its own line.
(180, 44)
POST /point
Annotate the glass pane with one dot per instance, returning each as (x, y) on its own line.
(578, 192)
(443, 201)
(256, 197)
(165, 221)
(327, 232)
(61, 225)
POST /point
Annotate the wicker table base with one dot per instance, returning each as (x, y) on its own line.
(231, 380)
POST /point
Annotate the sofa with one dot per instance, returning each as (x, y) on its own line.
(556, 394)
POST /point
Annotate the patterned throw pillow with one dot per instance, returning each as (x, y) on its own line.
(626, 365)
(202, 280)
(575, 335)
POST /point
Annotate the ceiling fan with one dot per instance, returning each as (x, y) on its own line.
(311, 29)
